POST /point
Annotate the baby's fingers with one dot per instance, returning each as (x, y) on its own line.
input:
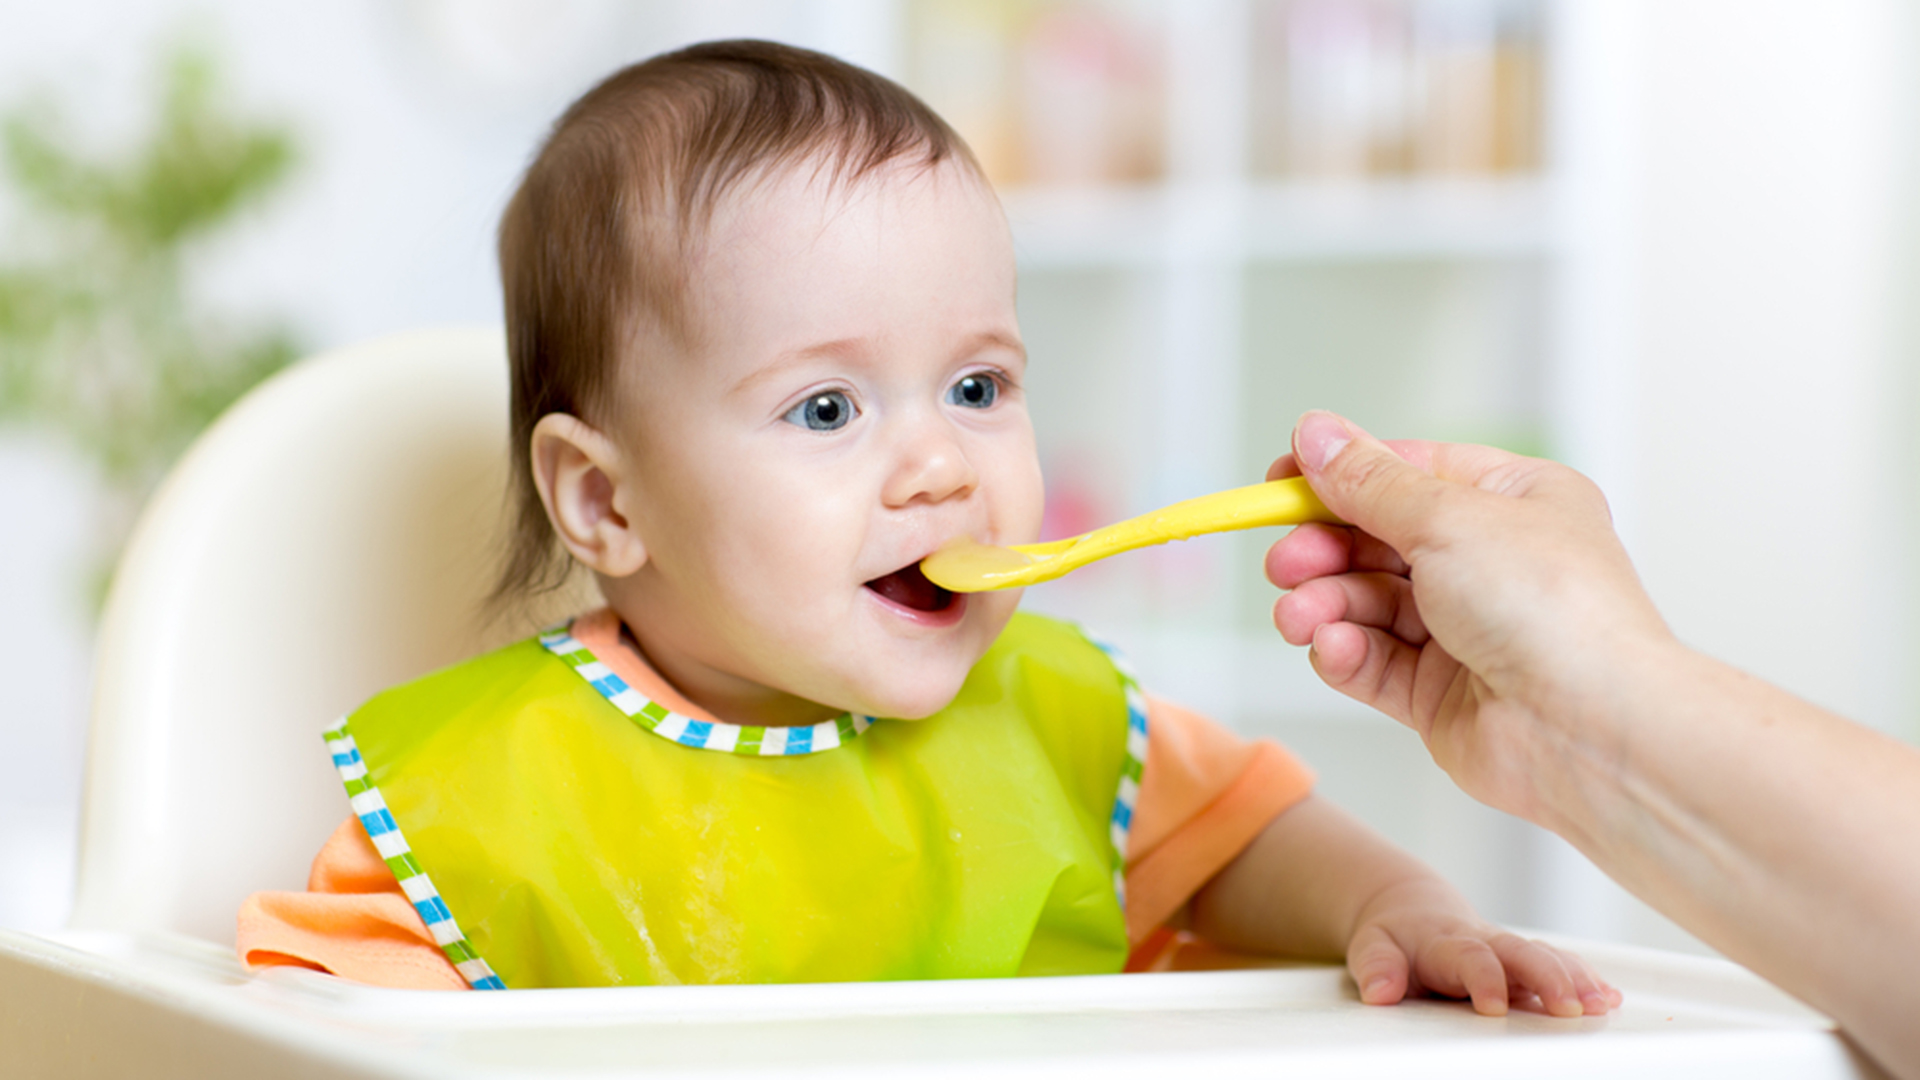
(1465, 967)
(1378, 966)
(1550, 975)
(1596, 994)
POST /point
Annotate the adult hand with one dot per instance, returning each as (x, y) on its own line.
(1481, 598)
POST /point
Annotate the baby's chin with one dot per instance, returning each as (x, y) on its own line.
(914, 678)
(909, 684)
(900, 700)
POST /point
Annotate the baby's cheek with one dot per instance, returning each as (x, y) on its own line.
(799, 555)
(1020, 505)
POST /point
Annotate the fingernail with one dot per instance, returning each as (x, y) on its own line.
(1320, 437)
(1375, 988)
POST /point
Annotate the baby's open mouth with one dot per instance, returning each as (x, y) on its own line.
(910, 588)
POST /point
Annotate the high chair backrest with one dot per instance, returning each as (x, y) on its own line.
(336, 532)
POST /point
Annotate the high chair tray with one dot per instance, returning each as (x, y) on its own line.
(81, 1005)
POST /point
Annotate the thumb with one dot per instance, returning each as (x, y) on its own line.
(1366, 482)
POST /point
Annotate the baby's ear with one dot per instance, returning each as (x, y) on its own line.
(581, 475)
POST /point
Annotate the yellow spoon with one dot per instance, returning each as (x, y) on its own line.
(964, 566)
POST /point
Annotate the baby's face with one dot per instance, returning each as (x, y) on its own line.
(853, 401)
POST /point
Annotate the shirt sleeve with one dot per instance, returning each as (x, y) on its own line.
(353, 921)
(1205, 794)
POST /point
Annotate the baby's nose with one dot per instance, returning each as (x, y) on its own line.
(933, 467)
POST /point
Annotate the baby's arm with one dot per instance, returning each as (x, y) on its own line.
(1319, 883)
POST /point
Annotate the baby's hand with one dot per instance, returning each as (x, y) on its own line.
(1414, 937)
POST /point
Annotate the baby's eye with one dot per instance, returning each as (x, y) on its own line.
(974, 392)
(822, 412)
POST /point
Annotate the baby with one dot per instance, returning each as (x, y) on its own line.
(760, 309)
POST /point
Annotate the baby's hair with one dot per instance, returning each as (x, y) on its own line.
(594, 245)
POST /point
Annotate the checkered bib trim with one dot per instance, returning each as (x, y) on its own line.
(699, 734)
(1132, 768)
(371, 809)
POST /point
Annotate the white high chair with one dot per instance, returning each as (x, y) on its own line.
(332, 535)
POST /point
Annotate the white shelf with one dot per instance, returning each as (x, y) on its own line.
(1087, 227)
(1144, 227)
(1461, 219)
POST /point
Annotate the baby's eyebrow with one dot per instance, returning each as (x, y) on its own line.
(853, 349)
(839, 349)
(994, 339)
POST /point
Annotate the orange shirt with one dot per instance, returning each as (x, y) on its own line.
(1205, 795)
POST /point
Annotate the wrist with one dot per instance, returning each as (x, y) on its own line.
(1590, 731)
(1418, 890)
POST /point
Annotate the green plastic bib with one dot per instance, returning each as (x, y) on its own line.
(554, 828)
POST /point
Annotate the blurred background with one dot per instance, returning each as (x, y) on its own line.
(1670, 242)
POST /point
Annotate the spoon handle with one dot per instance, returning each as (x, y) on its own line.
(1276, 502)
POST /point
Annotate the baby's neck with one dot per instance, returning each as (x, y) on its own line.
(725, 697)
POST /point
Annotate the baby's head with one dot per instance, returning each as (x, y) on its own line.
(760, 313)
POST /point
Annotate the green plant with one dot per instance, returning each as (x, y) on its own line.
(100, 340)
